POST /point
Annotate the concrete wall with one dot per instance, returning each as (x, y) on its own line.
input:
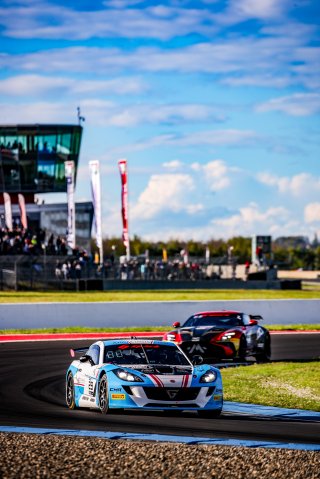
(44, 315)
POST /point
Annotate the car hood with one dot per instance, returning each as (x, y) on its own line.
(197, 332)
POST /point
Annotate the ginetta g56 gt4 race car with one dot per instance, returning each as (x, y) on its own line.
(147, 374)
(222, 335)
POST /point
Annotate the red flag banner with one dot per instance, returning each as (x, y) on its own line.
(23, 212)
(124, 204)
(7, 211)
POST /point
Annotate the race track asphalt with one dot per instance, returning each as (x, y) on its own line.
(32, 395)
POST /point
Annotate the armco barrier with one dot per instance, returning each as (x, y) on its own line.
(121, 314)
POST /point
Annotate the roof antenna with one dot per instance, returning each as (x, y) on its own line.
(80, 118)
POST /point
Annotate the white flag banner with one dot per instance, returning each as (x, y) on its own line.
(23, 212)
(96, 198)
(71, 231)
(7, 211)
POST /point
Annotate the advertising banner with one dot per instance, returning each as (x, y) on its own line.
(71, 230)
(23, 212)
(124, 204)
(7, 211)
(96, 199)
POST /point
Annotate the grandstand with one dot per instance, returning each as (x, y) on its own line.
(32, 162)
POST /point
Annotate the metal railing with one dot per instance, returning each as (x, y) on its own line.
(73, 273)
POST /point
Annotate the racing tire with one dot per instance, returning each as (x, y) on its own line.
(242, 349)
(103, 395)
(210, 414)
(70, 397)
(265, 355)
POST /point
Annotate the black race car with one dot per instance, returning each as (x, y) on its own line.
(222, 335)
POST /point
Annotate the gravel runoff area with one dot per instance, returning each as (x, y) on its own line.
(45, 456)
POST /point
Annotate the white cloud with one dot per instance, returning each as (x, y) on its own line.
(216, 174)
(235, 56)
(250, 220)
(109, 113)
(216, 137)
(299, 104)
(173, 165)
(298, 185)
(167, 192)
(160, 22)
(35, 85)
(157, 114)
(312, 213)
(263, 9)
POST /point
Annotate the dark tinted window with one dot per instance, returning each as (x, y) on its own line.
(202, 320)
(127, 354)
(94, 352)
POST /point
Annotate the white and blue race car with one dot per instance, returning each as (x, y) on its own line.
(130, 374)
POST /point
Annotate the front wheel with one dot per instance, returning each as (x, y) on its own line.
(210, 414)
(265, 355)
(103, 395)
(70, 398)
(242, 349)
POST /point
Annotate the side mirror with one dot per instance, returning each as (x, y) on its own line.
(196, 360)
(176, 324)
(85, 358)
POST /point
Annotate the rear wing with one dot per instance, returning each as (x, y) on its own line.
(257, 317)
(73, 352)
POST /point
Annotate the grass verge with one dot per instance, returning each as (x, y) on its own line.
(289, 385)
(160, 295)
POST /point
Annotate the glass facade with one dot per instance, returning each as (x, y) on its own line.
(32, 157)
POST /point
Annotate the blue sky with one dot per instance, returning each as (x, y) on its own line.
(215, 105)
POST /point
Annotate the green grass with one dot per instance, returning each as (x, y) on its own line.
(292, 327)
(84, 329)
(289, 385)
(160, 295)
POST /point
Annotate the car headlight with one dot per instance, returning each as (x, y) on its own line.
(227, 336)
(126, 376)
(208, 377)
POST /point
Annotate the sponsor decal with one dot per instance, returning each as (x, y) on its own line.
(172, 393)
(116, 389)
(91, 387)
(119, 397)
(196, 348)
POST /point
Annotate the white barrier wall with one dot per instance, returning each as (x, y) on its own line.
(45, 315)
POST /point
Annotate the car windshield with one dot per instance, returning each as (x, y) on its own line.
(214, 321)
(144, 354)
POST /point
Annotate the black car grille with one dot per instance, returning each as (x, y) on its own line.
(172, 394)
